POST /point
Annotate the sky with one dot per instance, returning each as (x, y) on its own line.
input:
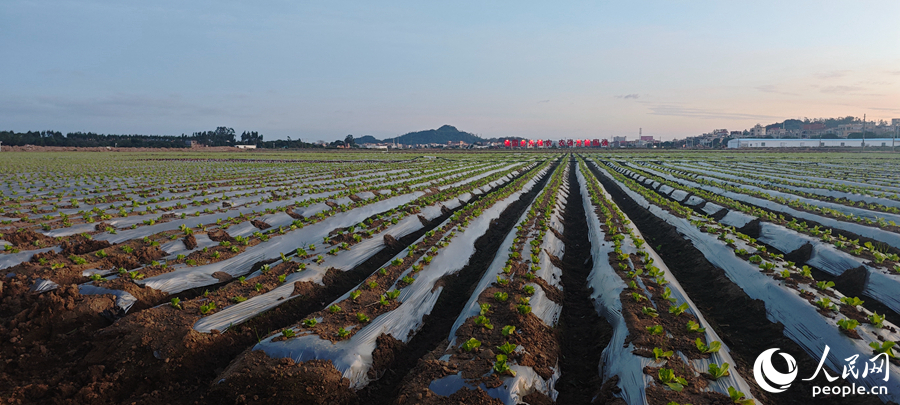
(319, 70)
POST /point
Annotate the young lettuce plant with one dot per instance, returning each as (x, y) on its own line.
(886, 348)
(695, 327)
(507, 348)
(876, 320)
(649, 311)
(712, 348)
(501, 367)
(855, 301)
(667, 377)
(738, 397)
(847, 324)
(471, 344)
(678, 310)
(660, 354)
(508, 330)
(718, 372)
(655, 330)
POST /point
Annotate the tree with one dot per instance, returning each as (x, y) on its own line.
(348, 140)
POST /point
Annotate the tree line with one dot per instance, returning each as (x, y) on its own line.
(221, 136)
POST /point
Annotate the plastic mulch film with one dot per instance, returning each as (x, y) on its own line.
(618, 359)
(353, 357)
(343, 261)
(888, 237)
(802, 322)
(184, 277)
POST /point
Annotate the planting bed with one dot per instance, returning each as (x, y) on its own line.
(486, 278)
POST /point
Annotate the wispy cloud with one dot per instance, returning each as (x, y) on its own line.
(543, 101)
(771, 88)
(676, 110)
(633, 96)
(834, 74)
(110, 106)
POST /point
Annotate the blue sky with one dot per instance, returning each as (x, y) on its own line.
(324, 69)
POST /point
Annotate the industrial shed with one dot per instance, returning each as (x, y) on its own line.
(808, 143)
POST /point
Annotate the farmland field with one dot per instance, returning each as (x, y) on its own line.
(559, 276)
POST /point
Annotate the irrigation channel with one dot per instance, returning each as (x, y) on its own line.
(482, 278)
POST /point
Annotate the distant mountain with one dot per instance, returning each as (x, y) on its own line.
(366, 139)
(444, 134)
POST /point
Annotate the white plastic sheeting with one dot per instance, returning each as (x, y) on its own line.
(343, 261)
(802, 323)
(618, 359)
(526, 380)
(888, 237)
(185, 278)
(884, 287)
(124, 300)
(353, 357)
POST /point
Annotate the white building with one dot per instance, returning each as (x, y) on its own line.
(245, 146)
(809, 143)
(895, 122)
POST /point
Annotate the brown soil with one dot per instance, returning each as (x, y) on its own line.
(190, 242)
(741, 322)
(260, 224)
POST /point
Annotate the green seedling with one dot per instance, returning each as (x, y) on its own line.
(484, 322)
(507, 348)
(649, 311)
(508, 330)
(485, 308)
(738, 397)
(528, 290)
(825, 303)
(355, 294)
(679, 309)
(310, 323)
(501, 367)
(501, 296)
(855, 301)
(886, 348)
(238, 299)
(523, 309)
(209, 307)
(655, 329)
(847, 324)
(667, 295)
(695, 327)
(393, 294)
(876, 320)
(824, 285)
(471, 344)
(334, 309)
(408, 279)
(638, 297)
(718, 372)
(667, 377)
(342, 333)
(175, 303)
(362, 317)
(661, 354)
(712, 348)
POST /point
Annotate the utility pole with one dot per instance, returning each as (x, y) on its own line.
(864, 132)
(894, 138)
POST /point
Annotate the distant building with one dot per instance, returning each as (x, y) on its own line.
(758, 131)
(192, 144)
(245, 146)
(808, 143)
(895, 122)
(647, 138)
